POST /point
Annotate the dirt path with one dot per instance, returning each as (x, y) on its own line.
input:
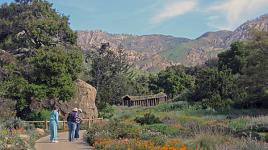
(63, 144)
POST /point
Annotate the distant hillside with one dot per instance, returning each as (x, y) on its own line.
(155, 52)
(143, 51)
(210, 44)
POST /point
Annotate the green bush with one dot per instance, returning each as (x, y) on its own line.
(114, 130)
(39, 115)
(148, 118)
(216, 102)
(107, 111)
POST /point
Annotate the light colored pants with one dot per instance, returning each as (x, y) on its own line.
(72, 128)
(53, 131)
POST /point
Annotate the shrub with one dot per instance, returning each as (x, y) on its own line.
(22, 136)
(39, 115)
(148, 118)
(14, 123)
(134, 144)
(238, 124)
(7, 108)
(208, 141)
(114, 129)
(166, 107)
(216, 102)
(107, 111)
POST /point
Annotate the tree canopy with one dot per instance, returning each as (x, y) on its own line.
(45, 59)
(33, 24)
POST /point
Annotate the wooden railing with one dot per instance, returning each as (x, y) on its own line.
(63, 123)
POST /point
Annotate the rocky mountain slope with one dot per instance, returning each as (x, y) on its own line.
(143, 51)
(208, 46)
(155, 52)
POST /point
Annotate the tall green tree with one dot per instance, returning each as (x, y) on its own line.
(109, 74)
(33, 24)
(216, 89)
(172, 81)
(47, 61)
(235, 58)
(255, 72)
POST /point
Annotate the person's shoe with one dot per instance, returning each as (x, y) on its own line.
(55, 142)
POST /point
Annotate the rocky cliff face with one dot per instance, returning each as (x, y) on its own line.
(155, 52)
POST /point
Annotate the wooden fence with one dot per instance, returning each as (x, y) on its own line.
(63, 123)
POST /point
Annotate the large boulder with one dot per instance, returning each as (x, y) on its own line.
(84, 99)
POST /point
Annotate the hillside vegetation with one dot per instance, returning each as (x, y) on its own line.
(154, 53)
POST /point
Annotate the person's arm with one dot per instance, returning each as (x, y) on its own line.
(57, 118)
(80, 117)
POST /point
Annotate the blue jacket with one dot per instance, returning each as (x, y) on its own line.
(54, 117)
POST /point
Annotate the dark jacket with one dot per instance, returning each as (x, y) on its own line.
(72, 116)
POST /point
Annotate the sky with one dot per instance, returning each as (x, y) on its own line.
(180, 18)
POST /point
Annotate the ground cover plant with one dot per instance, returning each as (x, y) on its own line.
(17, 135)
(181, 127)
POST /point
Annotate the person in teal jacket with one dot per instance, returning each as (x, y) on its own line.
(53, 122)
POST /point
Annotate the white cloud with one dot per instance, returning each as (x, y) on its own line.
(173, 9)
(236, 12)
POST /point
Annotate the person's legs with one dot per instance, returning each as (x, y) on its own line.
(73, 130)
(51, 132)
(70, 130)
(77, 131)
(55, 131)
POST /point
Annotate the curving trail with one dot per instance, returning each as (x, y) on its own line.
(63, 144)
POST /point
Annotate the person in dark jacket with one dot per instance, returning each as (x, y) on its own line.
(78, 123)
(53, 123)
(71, 119)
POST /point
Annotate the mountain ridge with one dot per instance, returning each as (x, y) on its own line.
(156, 51)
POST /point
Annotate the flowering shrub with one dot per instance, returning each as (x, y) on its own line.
(109, 144)
(14, 134)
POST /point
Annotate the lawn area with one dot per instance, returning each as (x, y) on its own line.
(181, 126)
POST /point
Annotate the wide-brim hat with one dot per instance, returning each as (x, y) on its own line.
(80, 110)
(75, 109)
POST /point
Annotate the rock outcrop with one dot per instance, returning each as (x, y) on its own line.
(84, 99)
